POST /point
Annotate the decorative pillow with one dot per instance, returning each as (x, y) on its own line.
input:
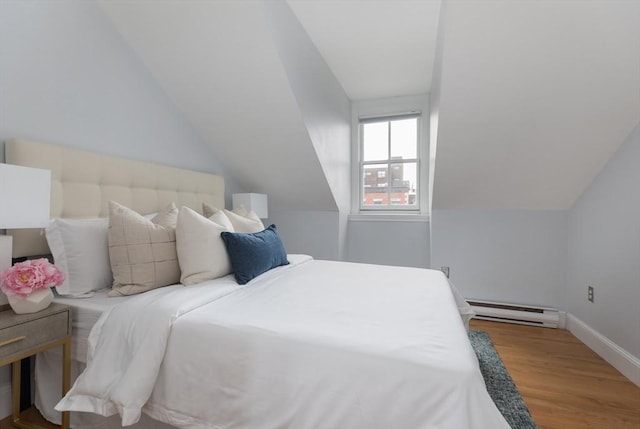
(201, 252)
(221, 219)
(142, 251)
(80, 251)
(254, 254)
(242, 211)
(208, 210)
(250, 223)
(239, 218)
(167, 217)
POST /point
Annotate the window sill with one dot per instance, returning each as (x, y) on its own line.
(388, 217)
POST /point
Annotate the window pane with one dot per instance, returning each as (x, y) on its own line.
(375, 185)
(375, 141)
(404, 139)
(402, 188)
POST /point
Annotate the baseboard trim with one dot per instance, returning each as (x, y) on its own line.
(618, 357)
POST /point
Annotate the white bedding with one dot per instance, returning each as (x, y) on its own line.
(316, 344)
(85, 312)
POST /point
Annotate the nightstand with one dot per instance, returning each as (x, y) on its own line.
(24, 335)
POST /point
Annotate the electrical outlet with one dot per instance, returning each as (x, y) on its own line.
(445, 270)
(590, 293)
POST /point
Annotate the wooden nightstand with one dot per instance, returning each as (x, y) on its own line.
(24, 335)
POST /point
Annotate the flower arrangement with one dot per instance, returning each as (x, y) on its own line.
(24, 278)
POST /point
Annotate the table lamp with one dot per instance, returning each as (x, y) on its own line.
(252, 202)
(25, 195)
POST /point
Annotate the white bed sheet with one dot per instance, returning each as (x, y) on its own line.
(85, 312)
(309, 349)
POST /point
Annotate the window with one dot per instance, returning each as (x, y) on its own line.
(389, 163)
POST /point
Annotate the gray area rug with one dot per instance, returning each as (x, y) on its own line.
(499, 383)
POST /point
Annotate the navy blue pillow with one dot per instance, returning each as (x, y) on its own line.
(254, 254)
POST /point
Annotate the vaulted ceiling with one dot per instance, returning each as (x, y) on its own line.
(376, 49)
(534, 96)
(218, 62)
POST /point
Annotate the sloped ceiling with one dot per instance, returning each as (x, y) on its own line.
(376, 49)
(217, 61)
(535, 97)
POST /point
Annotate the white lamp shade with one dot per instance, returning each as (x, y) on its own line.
(252, 202)
(25, 195)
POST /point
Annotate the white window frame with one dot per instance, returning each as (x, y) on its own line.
(381, 108)
(389, 207)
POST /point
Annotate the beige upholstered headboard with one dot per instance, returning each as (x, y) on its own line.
(82, 183)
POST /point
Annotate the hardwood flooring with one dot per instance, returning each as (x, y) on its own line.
(564, 384)
(32, 415)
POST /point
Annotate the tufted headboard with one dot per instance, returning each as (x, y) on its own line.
(82, 183)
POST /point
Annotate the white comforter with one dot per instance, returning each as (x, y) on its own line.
(316, 344)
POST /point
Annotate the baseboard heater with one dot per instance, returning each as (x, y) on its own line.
(513, 313)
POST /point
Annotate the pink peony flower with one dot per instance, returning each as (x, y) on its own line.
(26, 277)
(53, 276)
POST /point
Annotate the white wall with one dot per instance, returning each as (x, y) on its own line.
(325, 109)
(313, 233)
(404, 243)
(434, 101)
(507, 256)
(323, 103)
(549, 258)
(604, 249)
(67, 77)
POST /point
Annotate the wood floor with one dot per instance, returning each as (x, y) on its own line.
(564, 384)
(32, 415)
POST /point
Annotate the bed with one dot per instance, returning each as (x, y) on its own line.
(310, 344)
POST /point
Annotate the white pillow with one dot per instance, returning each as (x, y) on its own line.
(221, 219)
(250, 223)
(208, 210)
(246, 221)
(201, 252)
(79, 248)
(242, 211)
